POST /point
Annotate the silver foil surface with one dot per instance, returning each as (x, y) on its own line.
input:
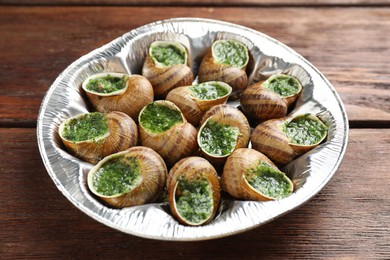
(310, 172)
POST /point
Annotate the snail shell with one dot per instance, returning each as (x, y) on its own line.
(165, 78)
(137, 93)
(262, 103)
(122, 133)
(234, 180)
(193, 169)
(177, 142)
(193, 107)
(146, 188)
(271, 139)
(211, 70)
(226, 115)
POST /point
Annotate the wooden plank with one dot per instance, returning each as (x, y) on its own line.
(349, 218)
(352, 54)
(201, 2)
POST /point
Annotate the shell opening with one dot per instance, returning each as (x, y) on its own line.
(106, 84)
(193, 199)
(305, 130)
(85, 127)
(210, 90)
(217, 139)
(160, 116)
(114, 176)
(268, 181)
(283, 85)
(230, 52)
(167, 53)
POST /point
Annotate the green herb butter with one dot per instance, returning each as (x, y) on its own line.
(85, 127)
(208, 90)
(230, 52)
(218, 139)
(304, 130)
(106, 84)
(168, 54)
(116, 176)
(283, 85)
(269, 181)
(157, 118)
(194, 200)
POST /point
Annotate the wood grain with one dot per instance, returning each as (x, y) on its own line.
(202, 2)
(349, 218)
(351, 49)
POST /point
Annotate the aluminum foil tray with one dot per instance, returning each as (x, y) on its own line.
(126, 54)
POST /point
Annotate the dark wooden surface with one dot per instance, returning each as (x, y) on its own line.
(201, 2)
(349, 218)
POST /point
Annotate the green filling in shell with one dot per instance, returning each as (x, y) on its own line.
(158, 118)
(230, 52)
(116, 176)
(218, 139)
(269, 181)
(208, 90)
(194, 200)
(107, 84)
(304, 130)
(168, 54)
(283, 85)
(86, 127)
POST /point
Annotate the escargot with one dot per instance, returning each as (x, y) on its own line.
(270, 98)
(93, 136)
(194, 191)
(223, 129)
(226, 61)
(284, 139)
(118, 92)
(163, 128)
(132, 177)
(195, 100)
(167, 67)
(250, 175)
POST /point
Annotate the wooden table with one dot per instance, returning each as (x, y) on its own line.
(347, 40)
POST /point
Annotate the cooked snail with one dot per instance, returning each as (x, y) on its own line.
(223, 129)
(118, 92)
(194, 191)
(195, 100)
(226, 61)
(93, 136)
(129, 178)
(250, 175)
(167, 67)
(284, 139)
(270, 98)
(163, 128)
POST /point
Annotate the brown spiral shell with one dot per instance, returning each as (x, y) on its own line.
(164, 79)
(192, 107)
(233, 179)
(193, 168)
(228, 115)
(174, 144)
(210, 70)
(122, 134)
(261, 104)
(137, 94)
(153, 173)
(270, 139)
